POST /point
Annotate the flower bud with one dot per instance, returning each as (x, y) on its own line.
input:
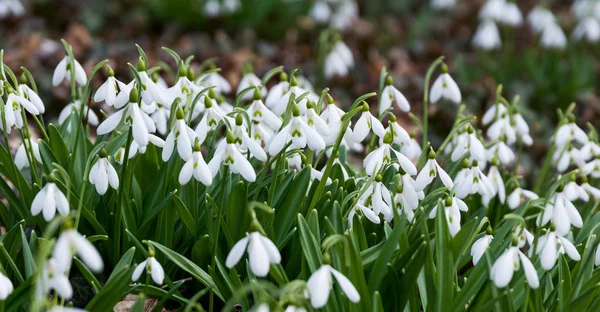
(378, 178)
(182, 70)
(190, 74)
(141, 65)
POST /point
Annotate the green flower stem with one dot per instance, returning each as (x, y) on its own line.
(432, 67)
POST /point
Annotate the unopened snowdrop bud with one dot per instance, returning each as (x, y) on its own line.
(551, 245)
(480, 246)
(6, 287)
(320, 283)
(390, 95)
(261, 253)
(71, 243)
(50, 199)
(445, 87)
(505, 266)
(103, 174)
(63, 71)
(152, 267)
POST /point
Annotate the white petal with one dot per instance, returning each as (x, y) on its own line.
(236, 252)
(346, 286)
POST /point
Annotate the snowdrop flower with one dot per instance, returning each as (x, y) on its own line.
(53, 278)
(151, 91)
(592, 168)
(362, 210)
(292, 308)
(69, 243)
(243, 141)
(445, 87)
(315, 121)
(132, 115)
(63, 70)
(553, 37)
(511, 15)
(184, 88)
(332, 115)
(229, 155)
(399, 135)
(382, 155)
(389, 95)
(152, 267)
(589, 150)
(339, 61)
(597, 256)
(196, 166)
(503, 269)
(320, 283)
(480, 246)
(518, 195)
(344, 16)
(470, 144)
(250, 80)
(443, 4)
(381, 199)
(103, 174)
(320, 11)
(590, 190)
(551, 245)
(261, 253)
(413, 149)
(109, 90)
(473, 181)
(21, 157)
(407, 196)
(487, 36)
(539, 18)
(299, 132)
(14, 7)
(210, 120)
(502, 152)
(587, 29)
(160, 115)
(431, 170)
(26, 92)
(570, 132)
(277, 91)
(492, 9)
(259, 112)
(365, 123)
(574, 191)
(497, 184)
(453, 207)
(562, 212)
(182, 135)
(65, 113)
(48, 200)
(6, 287)
(12, 110)
(214, 79)
(493, 113)
(502, 130)
(281, 105)
(565, 156)
(260, 134)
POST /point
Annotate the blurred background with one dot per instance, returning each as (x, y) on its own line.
(405, 36)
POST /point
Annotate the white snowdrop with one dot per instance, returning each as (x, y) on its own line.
(181, 135)
(551, 245)
(480, 246)
(539, 17)
(184, 88)
(407, 196)
(502, 152)
(445, 87)
(443, 4)
(510, 261)
(103, 174)
(471, 145)
(65, 113)
(365, 123)
(151, 90)
(132, 115)
(382, 156)
(566, 155)
(277, 91)
(229, 155)
(381, 199)
(339, 61)
(280, 106)
(511, 15)
(261, 253)
(49, 200)
(453, 207)
(553, 37)
(63, 71)
(320, 283)
(587, 29)
(361, 209)
(399, 135)
(292, 308)
(497, 182)
(250, 80)
(21, 157)
(214, 79)
(569, 132)
(345, 14)
(212, 116)
(52, 277)
(29, 95)
(71, 243)
(589, 150)
(472, 180)
(259, 112)
(12, 110)
(562, 212)
(518, 195)
(196, 166)
(590, 190)
(152, 267)
(391, 95)
(11, 7)
(431, 170)
(320, 11)
(6, 287)
(243, 141)
(487, 36)
(299, 133)
(108, 91)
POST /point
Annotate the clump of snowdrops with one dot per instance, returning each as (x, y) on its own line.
(208, 198)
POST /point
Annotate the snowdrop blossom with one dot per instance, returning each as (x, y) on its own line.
(587, 29)
(562, 212)
(470, 144)
(344, 15)
(539, 18)
(12, 110)
(568, 133)
(365, 123)
(487, 36)
(71, 243)
(510, 261)
(518, 195)
(431, 170)
(250, 80)
(292, 308)
(390, 95)
(52, 277)
(214, 79)
(212, 116)
(29, 95)
(6, 287)
(21, 157)
(320, 283)
(553, 37)
(497, 182)
(132, 115)
(103, 174)
(480, 246)
(408, 196)
(261, 253)
(259, 112)
(453, 207)
(565, 156)
(280, 106)
(551, 245)
(339, 61)
(381, 199)
(511, 15)
(299, 133)
(11, 7)
(195, 166)
(445, 87)
(361, 209)
(109, 90)
(382, 155)
(184, 88)
(182, 135)
(152, 267)
(277, 91)
(65, 113)
(229, 155)
(243, 141)
(502, 152)
(151, 90)
(472, 180)
(443, 4)
(63, 71)
(320, 11)
(48, 200)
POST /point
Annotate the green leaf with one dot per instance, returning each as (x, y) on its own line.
(89, 276)
(443, 261)
(284, 214)
(380, 265)
(28, 259)
(236, 213)
(123, 264)
(185, 215)
(112, 292)
(310, 245)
